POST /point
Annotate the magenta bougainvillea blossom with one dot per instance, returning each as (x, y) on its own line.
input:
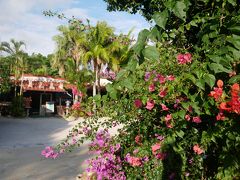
(150, 104)
(138, 103)
(197, 119)
(184, 58)
(151, 88)
(108, 164)
(49, 152)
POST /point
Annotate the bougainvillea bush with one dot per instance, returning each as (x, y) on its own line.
(178, 99)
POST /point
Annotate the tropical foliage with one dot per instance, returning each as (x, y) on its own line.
(177, 99)
(5, 83)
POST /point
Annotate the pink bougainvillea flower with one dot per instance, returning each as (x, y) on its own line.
(138, 139)
(164, 107)
(138, 103)
(161, 156)
(169, 125)
(188, 57)
(187, 117)
(74, 141)
(147, 76)
(220, 116)
(145, 159)
(159, 137)
(89, 113)
(170, 78)
(62, 151)
(135, 151)
(155, 147)
(74, 91)
(48, 152)
(76, 106)
(190, 109)
(151, 87)
(197, 149)
(163, 93)
(150, 104)
(197, 119)
(168, 117)
(180, 58)
(135, 161)
(184, 58)
(168, 120)
(162, 79)
(81, 94)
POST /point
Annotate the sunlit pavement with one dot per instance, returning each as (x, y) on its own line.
(21, 142)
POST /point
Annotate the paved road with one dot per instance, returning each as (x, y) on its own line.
(21, 141)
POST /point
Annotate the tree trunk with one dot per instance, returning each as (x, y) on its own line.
(95, 82)
(98, 80)
(21, 86)
(95, 89)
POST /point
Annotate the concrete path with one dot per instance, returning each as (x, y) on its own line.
(21, 142)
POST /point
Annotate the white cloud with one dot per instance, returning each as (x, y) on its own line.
(23, 20)
(19, 21)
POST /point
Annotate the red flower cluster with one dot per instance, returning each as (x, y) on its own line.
(76, 106)
(234, 104)
(184, 58)
(217, 91)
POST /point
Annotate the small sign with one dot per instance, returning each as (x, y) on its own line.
(49, 107)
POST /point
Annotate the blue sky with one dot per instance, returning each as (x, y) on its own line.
(23, 20)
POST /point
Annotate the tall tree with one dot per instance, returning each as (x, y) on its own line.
(100, 38)
(69, 45)
(18, 63)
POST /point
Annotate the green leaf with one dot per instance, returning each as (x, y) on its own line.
(109, 87)
(141, 41)
(161, 18)
(218, 68)
(128, 83)
(155, 34)
(190, 77)
(210, 79)
(234, 51)
(178, 10)
(182, 114)
(200, 83)
(180, 133)
(151, 52)
(233, 2)
(235, 40)
(234, 29)
(113, 94)
(122, 74)
(132, 64)
(234, 79)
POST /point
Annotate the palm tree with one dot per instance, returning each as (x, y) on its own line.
(69, 45)
(120, 51)
(99, 41)
(18, 65)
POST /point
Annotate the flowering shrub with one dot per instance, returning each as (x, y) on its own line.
(180, 121)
